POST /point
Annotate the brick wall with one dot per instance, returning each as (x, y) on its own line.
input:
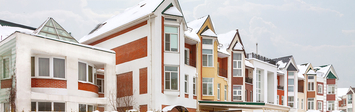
(311, 94)
(48, 83)
(131, 51)
(143, 81)
(331, 81)
(248, 88)
(6, 83)
(192, 54)
(237, 80)
(143, 108)
(124, 84)
(330, 97)
(88, 87)
(280, 93)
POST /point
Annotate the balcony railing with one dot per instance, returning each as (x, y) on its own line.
(249, 80)
(222, 72)
(300, 89)
(280, 87)
(190, 62)
(262, 58)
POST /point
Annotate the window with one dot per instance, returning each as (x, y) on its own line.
(207, 86)
(291, 73)
(187, 56)
(310, 86)
(171, 38)
(86, 108)
(310, 103)
(290, 101)
(237, 64)
(48, 106)
(320, 104)
(277, 99)
(310, 77)
(6, 68)
(251, 96)
(330, 105)
(246, 95)
(225, 92)
(194, 86)
(282, 100)
(237, 92)
(186, 83)
(207, 57)
(258, 86)
(290, 85)
(331, 89)
(85, 72)
(301, 103)
(218, 91)
(100, 84)
(350, 98)
(48, 67)
(171, 78)
(298, 100)
(207, 41)
(320, 88)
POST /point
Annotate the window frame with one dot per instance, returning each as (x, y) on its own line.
(350, 99)
(207, 61)
(177, 75)
(237, 91)
(310, 103)
(330, 105)
(237, 67)
(289, 85)
(310, 86)
(207, 39)
(331, 89)
(3, 68)
(87, 107)
(320, 89)
(186, 84)
(194, 87)
(87, 73)
(178, 31)
(218, 91)
(187, 56)
(320, 105)
(277, 100)
(102, 85)
(289, 98)
(52, 106)
(310, 76)
(207, 83)
(302, 103)
(51, 67)
(225, 92)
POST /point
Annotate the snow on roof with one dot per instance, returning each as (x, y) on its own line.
(342, 91)
(210, 33)
(144, 8)
(192, 35)
(197, 24)
(322, 70)
(247, 63)
(302, 69)
(280, 72)
(281, 64)
(238, 46)
(173, 11)
(6, 31)
(225, 40)
(311, 72)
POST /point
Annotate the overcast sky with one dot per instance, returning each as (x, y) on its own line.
(316, 31)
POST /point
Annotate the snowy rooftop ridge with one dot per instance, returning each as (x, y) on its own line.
(225, 40)
(197, 24)
(143, 9)
(6, 31)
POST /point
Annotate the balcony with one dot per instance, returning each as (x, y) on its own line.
(249, 80)
(222, 72)
(300, 89)
(280, 87)
(190, 62)
(262, 58)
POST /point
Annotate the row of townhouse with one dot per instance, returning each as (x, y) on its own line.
(346, 99)
(150, 57)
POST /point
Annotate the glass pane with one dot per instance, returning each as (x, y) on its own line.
(167, 42)
(167, 80)
(290, 73)
(59, 68)
(204, 60)
(207, 41)
(63, 33)
(44, 106)
(82, 108)
(169, 29)
(59, 107)
(207, 51)
(234, 64)
(210, 60)
(237, 56)
(237, 72)
(52, 36)
(43, 65)
(174, 81)
(99, 85)
(174, 42)
(290, 82)
(6, 67)
(33, 106)
(210, 90)
(204, 88)
(239, 64)
(169, 68)
(206, 79)
(57, 25)
(82, 71)
(49, 23)
(90, 108)
(90, 74)
(290, 88)
(32, 66)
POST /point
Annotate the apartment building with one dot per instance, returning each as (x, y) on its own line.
(46, 69)
(345, 96)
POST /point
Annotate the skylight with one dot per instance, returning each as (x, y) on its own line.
(53, 30)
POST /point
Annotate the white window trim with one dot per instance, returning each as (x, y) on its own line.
(310, 86)
(293, 86)
(87, 107)
(320, 88)
(219, 91)
(178, 75)
(187, 59)
(194, 85)
(330, 104)
(51, 69)
(207, 58)
(10, 67)
(320, 105)
(330, 90)
(241, 93)
(349, 101)
(178, 36)
(207, 87)
(225, 92)
(186, 84)
(102, 84)
(87, 73)
(310, 102)
(238, 67)
(52, 105)
(291, 102)
(208, 39)
(277, 99)
(302, 103)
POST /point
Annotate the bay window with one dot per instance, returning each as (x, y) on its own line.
(331, 89)
(310, 86)
(53, 67)
(207, 57)
(86, 72)
(237, 92)
(171, 38)
(350, 98)
(237, 64)
(171, 78)
(207, 86)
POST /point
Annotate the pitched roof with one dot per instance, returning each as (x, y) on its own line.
(6, 31)
(51, 28)
(12, 24)
(143, 9)
(172, 10)
(322, 71)
(282, 61)
(225, 40)
(196, 25)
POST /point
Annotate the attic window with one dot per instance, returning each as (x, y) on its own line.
(170, 19)
(143, 5)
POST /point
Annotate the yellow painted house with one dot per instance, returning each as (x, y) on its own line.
(212, 87)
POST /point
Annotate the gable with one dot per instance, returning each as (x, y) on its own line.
(50, 28)
(331, 75)
(291, 67)
(172, 10)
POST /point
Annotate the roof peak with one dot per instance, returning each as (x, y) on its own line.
(50, 28)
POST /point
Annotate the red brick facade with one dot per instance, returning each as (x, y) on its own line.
(143, 108)
(311, 94)
(88, 87)
(249, 89)
(6, 83)
(48, 83)
(330, 97)
(124, 84)
(143, 81)
(341, 104)
(192, 54)
(119, 33)
(331, 81)
(131, 51)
